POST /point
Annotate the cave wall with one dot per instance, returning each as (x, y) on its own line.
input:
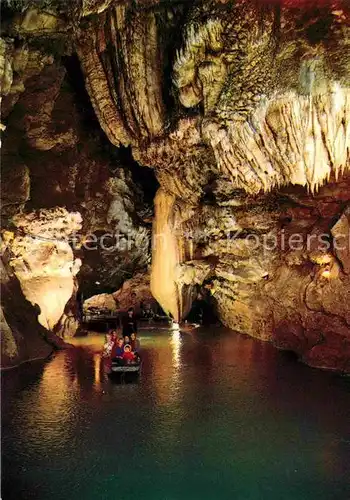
(241, 108)
(63, 184)
(42, 260)
(23, 338)
(278, 274)
(260, 93)
(258, 100)
(132, 293)
(53, 147)
(277, 263)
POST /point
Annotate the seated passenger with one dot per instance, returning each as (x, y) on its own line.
(147, 312)
(135, 343)
(128, 356)
(126, 339)
(118, 350)
(114, 336)
(108, 345)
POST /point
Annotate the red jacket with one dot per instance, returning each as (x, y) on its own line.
(128, 356)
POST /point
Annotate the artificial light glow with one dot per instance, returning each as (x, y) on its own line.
(323, 259)
(326, 273)
(175, 348)
(97, 368)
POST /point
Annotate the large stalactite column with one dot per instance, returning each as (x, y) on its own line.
(165, 255)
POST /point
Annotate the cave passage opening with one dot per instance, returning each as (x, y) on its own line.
(143, 176)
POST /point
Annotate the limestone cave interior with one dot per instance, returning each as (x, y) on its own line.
(154, 150)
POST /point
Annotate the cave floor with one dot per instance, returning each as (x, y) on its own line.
(214, 416)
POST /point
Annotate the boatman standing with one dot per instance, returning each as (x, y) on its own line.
(129, 323)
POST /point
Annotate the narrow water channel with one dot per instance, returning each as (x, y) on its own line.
(213, 416)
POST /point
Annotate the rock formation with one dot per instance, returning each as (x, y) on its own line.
(241, 108)
(43, 261)
(133, 293)
(63, 189)
(23, 338)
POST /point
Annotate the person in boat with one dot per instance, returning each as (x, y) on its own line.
(114, 336)
(147, 312)
(135, 343)
(135, 346)
(108, 345)
(128, 355)
(129, 323)
(118, 350)
(126, 339)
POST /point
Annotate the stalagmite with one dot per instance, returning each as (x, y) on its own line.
(165, 255)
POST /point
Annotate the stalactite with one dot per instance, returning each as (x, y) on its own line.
(122, 61)
(97, 85)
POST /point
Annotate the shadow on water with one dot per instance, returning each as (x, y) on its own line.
(213, 415)
(16, 380)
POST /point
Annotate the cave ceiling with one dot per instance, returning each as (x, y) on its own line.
(255, 93)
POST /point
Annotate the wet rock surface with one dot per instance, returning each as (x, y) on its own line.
(23, 338)
(63, 190)
(240, 108)
(274, 265)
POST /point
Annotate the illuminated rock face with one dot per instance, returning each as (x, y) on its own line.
(23, 338)
(83, 174)
(42, 260)
(57, 168)
(263, 95)
(103, 301)
(134, 291)
(233, 105)
(165, 255)
(269, 87)
(278, 265)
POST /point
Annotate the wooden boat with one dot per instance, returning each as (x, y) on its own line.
(116, 368)
(126, 368)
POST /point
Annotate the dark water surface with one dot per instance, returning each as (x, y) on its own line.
(214, 416)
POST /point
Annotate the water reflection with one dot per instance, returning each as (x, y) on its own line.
(175, 343)
(98, 368)
(213, 415)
